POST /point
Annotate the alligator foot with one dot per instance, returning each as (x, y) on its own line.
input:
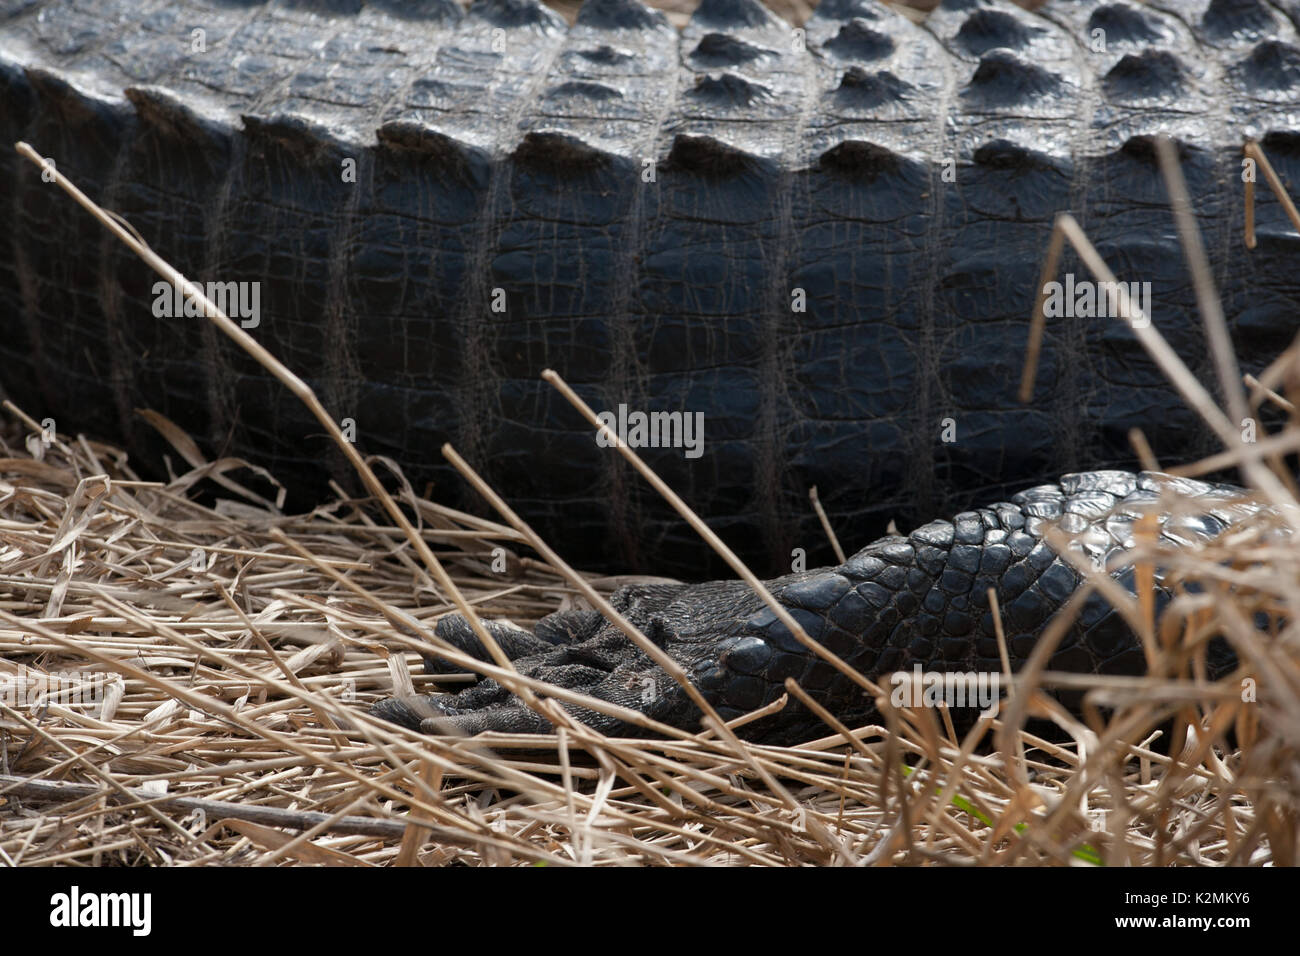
(703, 627)
(898, 603)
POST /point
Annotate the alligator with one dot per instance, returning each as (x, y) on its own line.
(822, 243)
(903, 604)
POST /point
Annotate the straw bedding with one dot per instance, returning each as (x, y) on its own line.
(207, 668)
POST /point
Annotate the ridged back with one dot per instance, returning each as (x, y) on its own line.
(653, 209)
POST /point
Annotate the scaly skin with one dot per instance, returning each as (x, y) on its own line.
(897, 603)
(835, 257)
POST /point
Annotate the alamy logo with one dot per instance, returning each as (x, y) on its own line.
(957, 689)
(653, 430)
(1094, 300)
(75, 908)
(238, 300)
(32, 689)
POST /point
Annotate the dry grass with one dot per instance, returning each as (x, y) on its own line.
(234, 731)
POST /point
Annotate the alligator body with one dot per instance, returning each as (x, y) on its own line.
(826, 242)
(900, 604)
